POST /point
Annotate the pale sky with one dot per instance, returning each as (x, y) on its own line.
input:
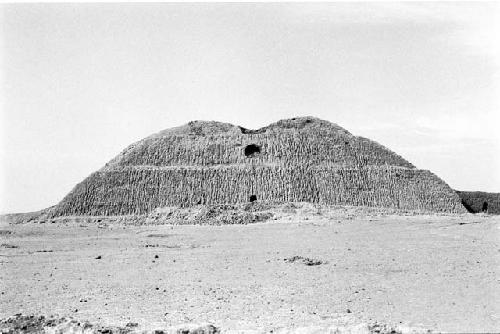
(80, 82)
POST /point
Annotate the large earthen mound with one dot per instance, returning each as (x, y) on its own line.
(295, 160)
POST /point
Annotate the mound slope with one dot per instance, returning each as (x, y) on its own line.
(295, 160)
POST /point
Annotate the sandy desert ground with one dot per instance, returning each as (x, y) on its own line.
(438, 272)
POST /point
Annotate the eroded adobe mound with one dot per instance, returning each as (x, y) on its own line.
(295, 160)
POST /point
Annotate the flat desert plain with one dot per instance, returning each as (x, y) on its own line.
(437, 272)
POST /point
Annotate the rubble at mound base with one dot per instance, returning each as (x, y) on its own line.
(24, 324)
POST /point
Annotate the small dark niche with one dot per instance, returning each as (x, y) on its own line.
(253, 198)
(251, 149)
(485, 207)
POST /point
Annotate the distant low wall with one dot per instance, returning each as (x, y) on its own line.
(137, 190)
(474, 201)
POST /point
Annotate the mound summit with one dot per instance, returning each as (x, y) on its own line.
(294, 160)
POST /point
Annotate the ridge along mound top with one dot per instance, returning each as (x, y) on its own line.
(302, 159)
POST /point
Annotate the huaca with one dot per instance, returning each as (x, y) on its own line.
(295, 160)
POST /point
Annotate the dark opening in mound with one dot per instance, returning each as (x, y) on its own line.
(251, 150)
(253, 198)
(485, 207)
